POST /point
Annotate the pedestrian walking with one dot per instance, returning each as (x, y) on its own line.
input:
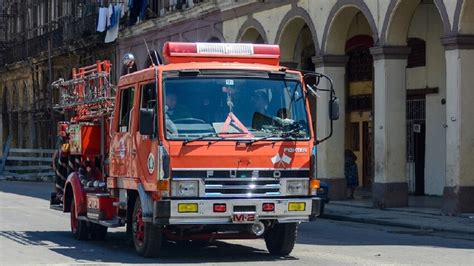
(351, 172)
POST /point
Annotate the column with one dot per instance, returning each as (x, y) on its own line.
(390, 188)
(330, 154)
(458, 194)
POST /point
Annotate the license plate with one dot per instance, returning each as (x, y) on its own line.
(244, 217)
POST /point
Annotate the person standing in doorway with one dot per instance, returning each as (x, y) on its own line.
(351, 172)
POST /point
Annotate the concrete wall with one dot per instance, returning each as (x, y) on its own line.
(426, 24)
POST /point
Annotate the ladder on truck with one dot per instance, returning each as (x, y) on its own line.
(89, 94)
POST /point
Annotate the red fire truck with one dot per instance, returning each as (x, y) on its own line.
(216, 143)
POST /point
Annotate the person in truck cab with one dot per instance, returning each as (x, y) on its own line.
(174, 109)
(260, 116)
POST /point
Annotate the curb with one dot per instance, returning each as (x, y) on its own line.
(388, 223)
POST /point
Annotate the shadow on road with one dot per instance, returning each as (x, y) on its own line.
(116, 249)
(40, 190)
(336, 233)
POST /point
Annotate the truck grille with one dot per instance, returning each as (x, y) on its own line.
(241, 187)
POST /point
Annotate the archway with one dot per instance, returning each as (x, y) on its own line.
(297, 38)
(420, 26)
(351, 32)
(252, 35)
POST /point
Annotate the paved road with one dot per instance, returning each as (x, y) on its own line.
(32, 233)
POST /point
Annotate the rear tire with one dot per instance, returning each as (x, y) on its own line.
(147, 238)
(281, 238)
(79, 228)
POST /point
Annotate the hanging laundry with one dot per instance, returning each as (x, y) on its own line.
(102, 19)
(143, 5)
(110, 12)
(112, 32)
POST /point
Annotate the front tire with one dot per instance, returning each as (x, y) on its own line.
(281, 238)
(79, 228)
(147, 238)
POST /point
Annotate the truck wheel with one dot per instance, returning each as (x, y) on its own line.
(79, 228)
(147, 238)
(98, 232)
(281, 238)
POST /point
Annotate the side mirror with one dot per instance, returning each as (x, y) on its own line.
(147, 121)
(334, 109)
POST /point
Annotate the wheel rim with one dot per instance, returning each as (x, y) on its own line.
(73, 218)
(139, 227)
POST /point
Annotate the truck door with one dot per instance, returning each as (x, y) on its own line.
(146, 146)
(121, 146)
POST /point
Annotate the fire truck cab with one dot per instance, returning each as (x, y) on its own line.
(215, 144)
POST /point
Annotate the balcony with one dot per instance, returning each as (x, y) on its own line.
(64, 31)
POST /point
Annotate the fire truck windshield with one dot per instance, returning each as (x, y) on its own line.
(234, 108)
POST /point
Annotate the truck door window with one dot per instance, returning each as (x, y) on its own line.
(126, 104)
(148, 98)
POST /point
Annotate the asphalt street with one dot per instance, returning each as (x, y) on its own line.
(32, 233)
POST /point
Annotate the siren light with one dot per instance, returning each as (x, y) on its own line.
(181, 52)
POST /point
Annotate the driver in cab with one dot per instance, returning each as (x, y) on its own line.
(174, 110)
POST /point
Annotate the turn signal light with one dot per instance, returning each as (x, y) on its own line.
(268, 207)
(296, 206)
(187, 207)
(220, 207)
(314, 184)
(163, 185)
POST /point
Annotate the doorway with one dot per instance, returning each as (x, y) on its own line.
(416, 139)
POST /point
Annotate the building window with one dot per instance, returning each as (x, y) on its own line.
(417, 56)
(360, 65)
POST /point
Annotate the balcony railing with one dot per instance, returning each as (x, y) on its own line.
(65, 31)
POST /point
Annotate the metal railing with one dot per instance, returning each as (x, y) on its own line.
(26, 164)
(66, 30)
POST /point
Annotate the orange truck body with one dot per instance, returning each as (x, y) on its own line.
(136, 166)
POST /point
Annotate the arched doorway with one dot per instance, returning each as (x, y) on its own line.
(418, 25)
(349, 34)
(359, 113)
(297, 45)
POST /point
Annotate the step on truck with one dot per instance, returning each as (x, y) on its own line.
(209, 141)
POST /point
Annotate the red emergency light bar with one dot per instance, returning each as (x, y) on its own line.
(181, 52)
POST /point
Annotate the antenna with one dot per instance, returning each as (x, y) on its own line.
(148, 51)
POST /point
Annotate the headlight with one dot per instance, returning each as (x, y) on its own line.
(297, 187)
(188, 188)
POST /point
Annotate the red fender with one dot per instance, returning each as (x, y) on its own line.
(73, 181)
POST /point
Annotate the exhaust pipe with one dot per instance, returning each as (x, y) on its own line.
(258, 228)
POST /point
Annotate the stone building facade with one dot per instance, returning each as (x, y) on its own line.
(41, 42)
(401, 69)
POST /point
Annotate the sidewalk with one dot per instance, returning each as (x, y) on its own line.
(420, 215)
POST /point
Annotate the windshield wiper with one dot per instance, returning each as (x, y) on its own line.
(264, 138)
(292, 133)
(203, 137)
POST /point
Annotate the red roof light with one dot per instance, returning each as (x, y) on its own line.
(179, 52)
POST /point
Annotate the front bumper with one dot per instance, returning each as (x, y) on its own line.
(166, 211)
